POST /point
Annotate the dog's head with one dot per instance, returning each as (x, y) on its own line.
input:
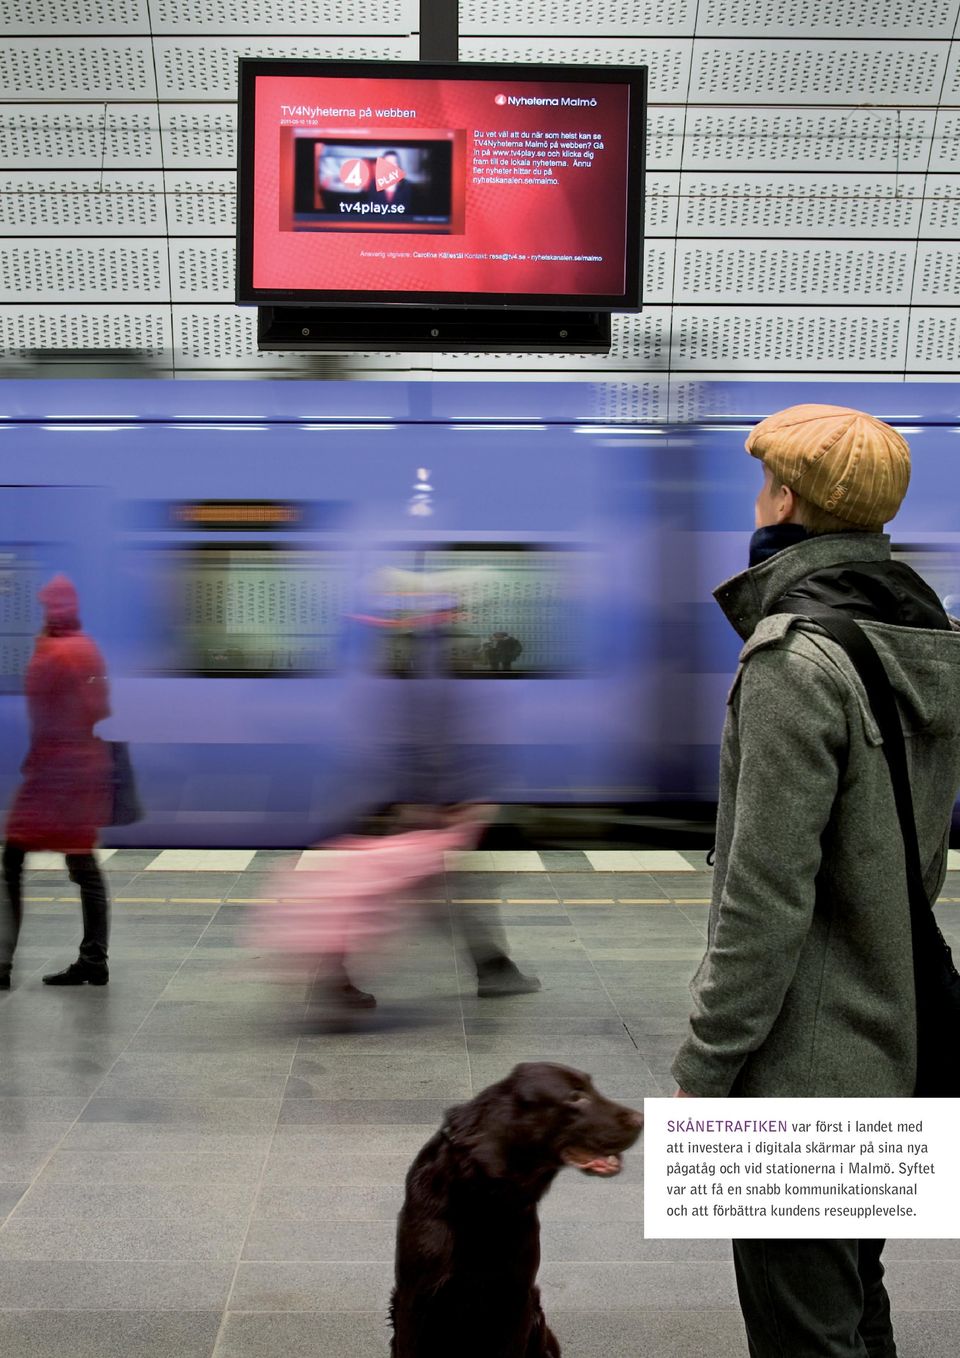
(542, 1117)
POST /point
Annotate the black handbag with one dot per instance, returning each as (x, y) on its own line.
(935, 975)
(125, 806)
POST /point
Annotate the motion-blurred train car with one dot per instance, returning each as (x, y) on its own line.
(258, 560)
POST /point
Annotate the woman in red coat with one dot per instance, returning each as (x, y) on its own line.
(66, 790)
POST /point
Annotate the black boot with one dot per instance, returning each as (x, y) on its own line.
(333, 988)
(500, 976)
(80, 973)
(346, 996)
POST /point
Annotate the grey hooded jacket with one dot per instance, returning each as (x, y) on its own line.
(806, 988)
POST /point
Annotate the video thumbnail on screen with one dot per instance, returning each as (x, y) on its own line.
(346, 182)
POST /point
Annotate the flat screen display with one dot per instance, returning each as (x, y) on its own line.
(440, 185)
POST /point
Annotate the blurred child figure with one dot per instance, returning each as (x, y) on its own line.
(66, 790)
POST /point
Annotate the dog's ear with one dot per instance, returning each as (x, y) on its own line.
(476, 1129)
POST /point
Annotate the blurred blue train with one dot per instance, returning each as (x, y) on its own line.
(255, 560)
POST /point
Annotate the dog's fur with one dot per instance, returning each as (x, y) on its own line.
(468, 1236)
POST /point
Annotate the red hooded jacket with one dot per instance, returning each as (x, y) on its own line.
(66, 791)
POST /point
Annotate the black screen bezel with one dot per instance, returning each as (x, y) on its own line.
(633, 76)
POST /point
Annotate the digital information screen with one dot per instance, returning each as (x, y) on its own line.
(381, 187)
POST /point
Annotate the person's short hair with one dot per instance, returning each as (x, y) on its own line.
(816, 520)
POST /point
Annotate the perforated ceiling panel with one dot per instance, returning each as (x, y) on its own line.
(668, 61)
(938, 276)
(951, 91)
(814, 139)
(815, 19)
(202, 271)
(141, 329)
(76, 68)
(779, 339)
(946, 142)
(664, 138)
(661, 204)
(202, 204)
(186, 66)
(80, 136)
(283, 16)
(837, 206)
(199, 135)
(935, 340)
(753, 71)
(658, 271)
(941, 210)
(568, 18)
(82, 203)
(754, 271)
(803, 180)
(52, 271)
(74, 16)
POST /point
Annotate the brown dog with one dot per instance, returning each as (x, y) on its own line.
(468, 1235)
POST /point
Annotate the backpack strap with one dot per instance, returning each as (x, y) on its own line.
(850, 636)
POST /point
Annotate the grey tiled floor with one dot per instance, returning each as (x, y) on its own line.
(191, 1167)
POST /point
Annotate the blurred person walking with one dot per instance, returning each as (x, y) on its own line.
(433, 777)
(807, 988)
(66, 791)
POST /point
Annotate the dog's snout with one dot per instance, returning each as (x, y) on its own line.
(635, 1119)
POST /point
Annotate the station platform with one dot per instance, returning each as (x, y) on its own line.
(192, 1167)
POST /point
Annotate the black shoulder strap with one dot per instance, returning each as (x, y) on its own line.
(858, 646)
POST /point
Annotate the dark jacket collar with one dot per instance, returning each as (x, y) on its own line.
(745, 598)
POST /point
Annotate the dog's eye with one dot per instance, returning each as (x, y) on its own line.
(579, 1097)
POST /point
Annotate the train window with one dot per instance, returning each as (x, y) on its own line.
(248, 609)
(20, 615)
(480, 610)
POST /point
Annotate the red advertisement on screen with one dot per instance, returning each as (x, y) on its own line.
(378, 185)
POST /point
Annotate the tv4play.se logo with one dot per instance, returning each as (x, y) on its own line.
(500, 99)
(388, 173)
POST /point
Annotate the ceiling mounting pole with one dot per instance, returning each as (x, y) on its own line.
(439, 30)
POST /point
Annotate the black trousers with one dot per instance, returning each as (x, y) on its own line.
(814, 1298)
(83, 869)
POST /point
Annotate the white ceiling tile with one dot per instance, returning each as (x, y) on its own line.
(841, 206)
(748, 70)
(815, 19)
(565, 18)
(789, 338)
(74, 16)
(76, 203)
(76, 68)
(187, 66)
(60, 328)
(941, 207)
(196, 17)
(831, 139)
(112, 270)
(937, 279)
(668, 59)
(794, 273)
(934, 340)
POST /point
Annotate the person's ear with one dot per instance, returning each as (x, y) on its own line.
(786, 505)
